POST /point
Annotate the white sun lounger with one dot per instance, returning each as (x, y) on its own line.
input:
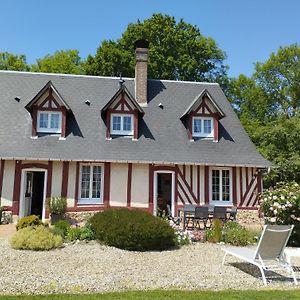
(269, 252)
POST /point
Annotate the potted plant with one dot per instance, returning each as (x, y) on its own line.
(57, 207)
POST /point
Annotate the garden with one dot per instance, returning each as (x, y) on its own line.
(125, 250)
(137, 230)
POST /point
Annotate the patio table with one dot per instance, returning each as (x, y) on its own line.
(190, 211)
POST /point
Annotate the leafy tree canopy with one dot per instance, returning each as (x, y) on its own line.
(274, 88)
(64, 61)
(177, 51)
(9, 61)
(268, 105)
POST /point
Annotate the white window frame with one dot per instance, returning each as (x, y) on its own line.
(49, 129)
(202, 133)
(121, 132)
(221, 202)
(91, 200)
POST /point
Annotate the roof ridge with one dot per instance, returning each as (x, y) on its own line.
(104, 77)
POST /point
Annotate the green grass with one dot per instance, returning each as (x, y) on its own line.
(159, 294)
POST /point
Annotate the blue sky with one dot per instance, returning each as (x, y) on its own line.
(247, 30)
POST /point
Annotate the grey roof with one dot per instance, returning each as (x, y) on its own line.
(162, 135)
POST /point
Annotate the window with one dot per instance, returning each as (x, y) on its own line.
(221, 185)
(49, 122)
(91, 184)
(121, 124)
(203, 127)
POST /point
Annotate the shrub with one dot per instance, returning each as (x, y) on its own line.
(214, 234)
(87, 233)
(281, 205)
(132, 230)
(73, 234)
(57, 205)
(62, 226)
(35, 238)
(235, 234)
(24, 222)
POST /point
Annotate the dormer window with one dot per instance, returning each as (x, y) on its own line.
(121, 124)
(49, 122)
(121, 115)
(202, 117)
(203, 127)
(49, 112)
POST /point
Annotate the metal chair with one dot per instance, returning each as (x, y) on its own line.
(220, 212)
(189, 216)
(233, 213)
(176, 220)
(201, 215)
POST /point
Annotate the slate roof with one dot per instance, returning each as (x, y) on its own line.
(162, 136)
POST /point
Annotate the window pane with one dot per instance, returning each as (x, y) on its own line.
(215, 185)
(55, 121)
(43, 120)
(127, 123)
(96, 182)
(85, 181)
(207, 126)
(197, 125)
(116, 123)
(225, 185)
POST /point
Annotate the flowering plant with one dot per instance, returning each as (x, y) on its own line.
(281, 205)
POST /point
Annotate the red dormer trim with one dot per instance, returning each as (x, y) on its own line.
(53, 102)
(122, 103)
(122, 107)
(203, 110)
(49, 104)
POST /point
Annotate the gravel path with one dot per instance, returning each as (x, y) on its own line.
(90, 267)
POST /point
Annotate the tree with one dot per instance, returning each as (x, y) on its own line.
(268, 105)
(177, 51)
(9, 61)
(273, 90)
(64, 61)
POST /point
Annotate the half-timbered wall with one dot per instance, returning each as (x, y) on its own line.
(194, 185)
(129, 185)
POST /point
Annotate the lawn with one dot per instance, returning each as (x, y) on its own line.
(202, 295)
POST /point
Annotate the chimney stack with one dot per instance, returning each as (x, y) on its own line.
(141, 67)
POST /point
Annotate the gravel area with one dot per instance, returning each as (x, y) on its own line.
(90, 267)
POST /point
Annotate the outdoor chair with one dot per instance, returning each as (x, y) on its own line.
(233, 213)
(201, 216)
(176, 220)
(220, 212)
(189, 217)
(269, 252)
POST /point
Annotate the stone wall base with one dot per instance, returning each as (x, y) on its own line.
(250, 219)
(80, 217)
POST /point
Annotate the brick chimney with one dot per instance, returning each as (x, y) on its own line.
(141, 67)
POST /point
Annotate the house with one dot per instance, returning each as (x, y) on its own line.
(106, 142)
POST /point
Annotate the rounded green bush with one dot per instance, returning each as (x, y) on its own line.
(36, 238)
(132, 230)
(24, 222)
(237, 235)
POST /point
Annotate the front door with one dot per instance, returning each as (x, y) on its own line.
(28, 194)
(164, 193)
(32, 200)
